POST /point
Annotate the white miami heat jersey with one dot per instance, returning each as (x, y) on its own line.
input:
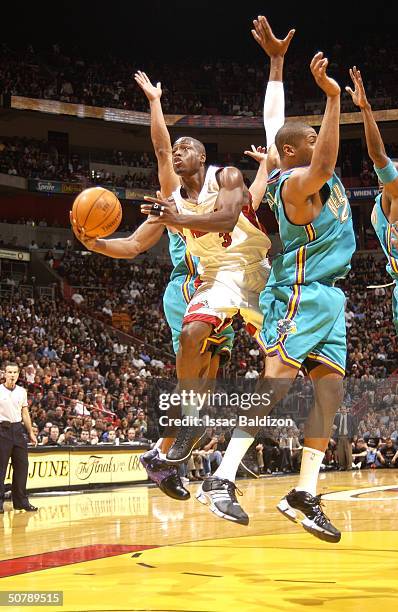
(245, 247)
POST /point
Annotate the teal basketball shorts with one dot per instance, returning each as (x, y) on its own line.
(304, 323)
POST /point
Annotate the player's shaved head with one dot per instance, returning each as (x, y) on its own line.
(291, 133)
(199, 146)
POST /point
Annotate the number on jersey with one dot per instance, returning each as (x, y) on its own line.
(227, 239)
(338, 200)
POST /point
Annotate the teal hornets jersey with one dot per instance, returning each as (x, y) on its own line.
(184, 263)
(382, 228)
(319, 251)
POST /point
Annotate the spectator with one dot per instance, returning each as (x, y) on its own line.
(84, 438)
(209, 453)
(387, 454)
(52, 439)
(359, 453)
(130, 439)
(252, 373)
(67, 438)
(94, 439)
(344, 427)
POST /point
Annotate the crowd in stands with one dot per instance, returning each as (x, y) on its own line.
(88, 383)
(211, 87)
(78, 373)
(372, 342)
(38, 159)
(114, 285)
(138, 288)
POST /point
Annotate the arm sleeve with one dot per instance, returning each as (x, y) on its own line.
(274, 110)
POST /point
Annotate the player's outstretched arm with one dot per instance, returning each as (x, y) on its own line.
(140, 241)
(160, 136)
(384, 167)
(374, 141)
(308, 181)
(259, 185)
(272, 46)
(232, 196)
(274, 101)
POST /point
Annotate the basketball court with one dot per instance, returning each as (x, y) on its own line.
(135, 549)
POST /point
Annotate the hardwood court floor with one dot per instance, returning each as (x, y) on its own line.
(135, 549)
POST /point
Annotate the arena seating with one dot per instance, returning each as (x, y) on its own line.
(212, 87)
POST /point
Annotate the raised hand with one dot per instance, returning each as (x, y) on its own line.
(359, 94)
(318, 67)
(151, 92)
(265, 37)
(259, 154)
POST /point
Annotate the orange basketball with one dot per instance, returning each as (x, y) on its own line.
(98, 211)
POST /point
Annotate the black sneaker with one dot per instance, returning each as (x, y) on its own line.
(27, 507)
(315, 521)
(165, 476)
(220, 495)
(184, 443)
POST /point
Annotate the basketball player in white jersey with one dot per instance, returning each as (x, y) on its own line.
(221, 228)
(232, 272)
(213, 210)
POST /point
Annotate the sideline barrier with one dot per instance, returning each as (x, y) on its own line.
(119, 115)
(74, 467)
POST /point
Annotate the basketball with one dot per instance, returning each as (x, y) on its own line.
(97, 211)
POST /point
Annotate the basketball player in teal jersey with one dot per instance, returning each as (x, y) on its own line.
(303, 311)
(385, 212)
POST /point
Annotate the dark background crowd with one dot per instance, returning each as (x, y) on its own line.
(209, 86)
(38, 159)
(87, 381)
(90, 383)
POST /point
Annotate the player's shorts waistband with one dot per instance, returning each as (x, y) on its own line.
(314, 282)
(258, 266)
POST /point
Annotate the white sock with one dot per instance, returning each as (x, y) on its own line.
(191, 407)
(159, 449)
(236, 450)
(274, 110)
(310, 465)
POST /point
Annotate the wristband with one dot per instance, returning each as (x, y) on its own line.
(388, 173)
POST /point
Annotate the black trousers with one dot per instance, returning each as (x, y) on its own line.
(13, 444)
